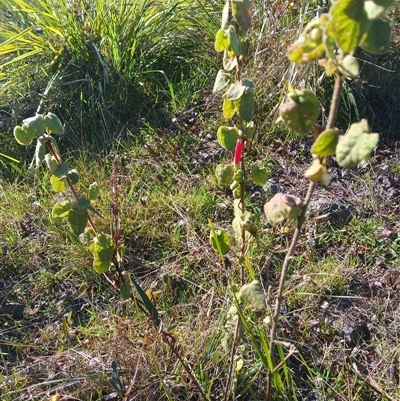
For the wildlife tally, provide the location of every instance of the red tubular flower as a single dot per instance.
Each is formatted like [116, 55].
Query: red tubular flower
[238, 152]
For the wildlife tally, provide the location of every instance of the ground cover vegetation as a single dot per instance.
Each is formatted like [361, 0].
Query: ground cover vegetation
[140, 124]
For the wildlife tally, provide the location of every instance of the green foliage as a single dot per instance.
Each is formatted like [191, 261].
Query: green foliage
[300, 113]
[356, 145]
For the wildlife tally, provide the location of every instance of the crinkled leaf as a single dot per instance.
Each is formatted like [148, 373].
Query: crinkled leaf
[375, 8]
[221, 41]
[325, 144]
[349, 23]
[349, 66]
[222, 80]
[229, 62]
[224, 173]
[53, 124]
[227, 137]
[300, 113]
[77, 222]
[61, 209]
[23, 137]
[238, 229]
[234, 41]
[58, 184]
[229, 108]
[245, 106]
[220, 242]
[73, 176]
[61, 170]
[259, 175]
[253, 294]
[377, 39]
[356, 145]
[282, 207]
[242, 12]
[317, 173]
[34, 125]
[103, 249]
[85, 238]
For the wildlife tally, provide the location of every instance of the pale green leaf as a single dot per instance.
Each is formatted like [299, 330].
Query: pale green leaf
[356, 145]
[222, 80]
[220, 242]
[61, 209]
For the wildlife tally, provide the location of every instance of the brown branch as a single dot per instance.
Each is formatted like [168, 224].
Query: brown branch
[300, 222]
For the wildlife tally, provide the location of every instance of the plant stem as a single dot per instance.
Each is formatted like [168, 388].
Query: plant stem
[68, 181]
[300, 222]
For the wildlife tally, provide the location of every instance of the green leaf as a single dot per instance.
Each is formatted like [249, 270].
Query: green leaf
[103, 250]
[61, 209]
[349, 67]
[375, 8]
[147, 303]
[77, 222]
[222, 80]
[23, 137]
[229, 108]
[235, 91]
[349, 23]
[58, 184]
[301, 112]
[220, 242]
[242, 12]
[325, 145]
[377, 39]
[34, 125]
[234, 42]
[253, 294]
[221, 41]
[356, 145]
[73, 176]
[61, 170]
[94, 190]
[245, 106]
[101, 266]
[53, 124]
[115, 378]
[125, 290]
[259, 175]
[81, 205]
[227, 137]
[224, 173]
